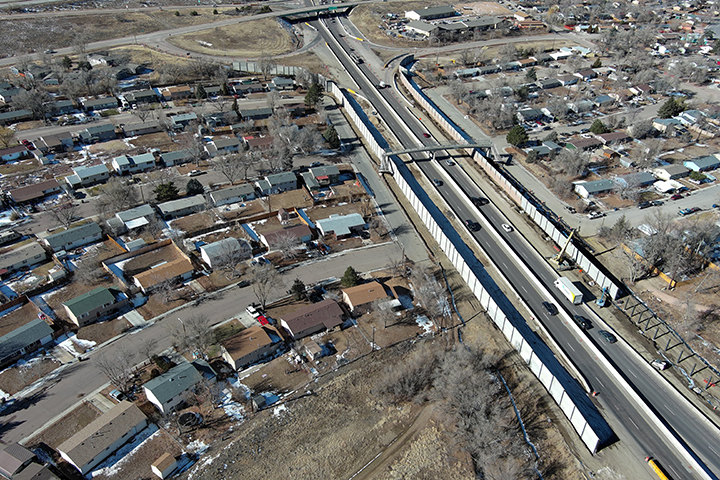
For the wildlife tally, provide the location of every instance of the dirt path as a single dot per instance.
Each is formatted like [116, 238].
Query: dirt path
[384, 458]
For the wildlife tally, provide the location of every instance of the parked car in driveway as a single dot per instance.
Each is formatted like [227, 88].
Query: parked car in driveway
[677, 196]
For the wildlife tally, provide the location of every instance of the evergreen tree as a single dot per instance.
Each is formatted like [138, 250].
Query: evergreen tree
[517, 136]
[597, 63]
[66, 63]
[235, 107]
[350, 278]
[194, 187]
[298, 289]
[671, 108]
[200, 92]
[312, 97]
[331, 136]
[531, 75]
[598, 127]
[166, 192]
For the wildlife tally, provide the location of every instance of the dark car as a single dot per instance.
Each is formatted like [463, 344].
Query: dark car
[582, 322]
[609, 337]
[550, 308]
[657, 203]
[437, 182]
[643, 205]
[472, 226]
[479, 201]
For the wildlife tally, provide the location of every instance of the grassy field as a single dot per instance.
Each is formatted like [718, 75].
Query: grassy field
[246, 39]
[36, 34]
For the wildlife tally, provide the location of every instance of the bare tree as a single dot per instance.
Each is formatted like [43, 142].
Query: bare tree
[80, 42]
[383, 313]
[147, 347]
[194, 333]
[115, 197]
[431, 294]
[267, 64]
[273, 99]
[7, 136]
[230, 256]
[117, 367]
[165, 290]
[142, 113]
[88, 270]
[264, 279]
[644, 154]
[572, 162]
[64, 214]
[192, 143]
[230, 166]
[288, 244]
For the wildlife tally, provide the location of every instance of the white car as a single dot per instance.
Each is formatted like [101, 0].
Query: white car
[593, 215]
[507, 227]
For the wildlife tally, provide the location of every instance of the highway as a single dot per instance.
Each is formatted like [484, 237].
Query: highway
[632, 428]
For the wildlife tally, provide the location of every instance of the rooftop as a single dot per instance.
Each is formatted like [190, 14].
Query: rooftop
[89, 301]
[173, 382]
[59, 240]
[340, 224]
[250, 340]
[31, 192]
[365, 293]
[327, 312]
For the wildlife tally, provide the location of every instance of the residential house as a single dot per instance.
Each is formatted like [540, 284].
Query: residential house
[248, 88]
[256, 113]
[136, 217]
[526, 62]
[125, 165]
[595, 187]
[141, 128]
[218, 253]
[101, 103]
[277, 183]
[61, 107]
[57, 143]
[275, 238]
[15, 152]
[34, 192]
[323, 176]
[603, 101]
[252, 345]
[223, 146]
[164, 466]
[94, 305]
[341, 225]
[182, 120]
[666, 125]
[282, 83]
[613, 138]
[636, 180]
[24, 256]
[234, 194]
[467, 72]
[581, 106]
[178, 270]
[173, 387]
[7, 94]
[98, 133]
[549, 83]
[703, 164]
[35, 471]
[259, 143]
[74, 237]
[360, 298]
[103, 436]
[22, 331]
[14, 116]
[671, 172]
[521, 16]
[690, 117]
[529, 114]
[9, 236]
[586, 75]
[431, 13]
[13, 458]
[141, 96]
[177, 157]
[313, 318]
[182, 207]
[567, 80]
[179, 92]
[583, 143]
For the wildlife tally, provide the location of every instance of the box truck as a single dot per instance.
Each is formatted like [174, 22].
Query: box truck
[569, 290]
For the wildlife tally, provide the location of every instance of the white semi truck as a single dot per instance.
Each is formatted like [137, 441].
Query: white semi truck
[570, 291]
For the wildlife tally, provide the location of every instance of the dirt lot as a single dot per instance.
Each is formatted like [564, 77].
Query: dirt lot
[103, 331]
[36, 34]
[159, 140]
[22, 166]
[67, 426]
[247, 39]
[14, 379]
[309, 61]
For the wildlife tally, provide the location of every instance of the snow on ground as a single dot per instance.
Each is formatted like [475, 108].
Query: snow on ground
[232, 408]
[425, 323]
[279, 410]
[27, 281]
[198, 447]
[214, 232]
[114, 463]
[70, 341]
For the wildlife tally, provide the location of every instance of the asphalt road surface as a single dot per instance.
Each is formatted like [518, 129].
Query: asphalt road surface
[627, 420]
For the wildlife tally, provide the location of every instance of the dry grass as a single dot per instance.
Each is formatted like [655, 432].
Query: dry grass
[192, 223]
[159, 140]
[103, 331]
[23, 166]
[308, 61]
[155, 306]
[246, 39]
[67, 426]
[27, 34]
[14, 379]
[111, 147]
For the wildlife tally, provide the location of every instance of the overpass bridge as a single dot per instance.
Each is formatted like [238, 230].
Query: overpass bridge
[300, 14]
[484, 145]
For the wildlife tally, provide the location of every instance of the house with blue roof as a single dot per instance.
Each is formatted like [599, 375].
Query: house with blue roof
[125, 164]
[87, 176]
[342, 226]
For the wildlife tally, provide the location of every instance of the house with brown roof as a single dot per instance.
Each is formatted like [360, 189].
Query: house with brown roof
[176, 93]
[251, 345]
[613, 138]
[13, 458]
[13, 153]
[164, 466]
[314, 318]
[178, 270]
[360, 298]
[301, 232]
[31, 193]
[103, 436]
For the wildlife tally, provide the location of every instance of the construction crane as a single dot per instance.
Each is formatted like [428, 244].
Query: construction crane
[558, 259]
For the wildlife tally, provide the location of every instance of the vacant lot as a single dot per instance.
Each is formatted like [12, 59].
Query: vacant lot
[24, 35]
[246, 39]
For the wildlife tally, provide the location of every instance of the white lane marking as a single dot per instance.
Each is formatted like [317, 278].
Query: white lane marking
[504, 265]
[669, 409]
[633, 423]
[715, 452]
[601, 383]
[523, 289]
[633, 374]
[571, 347]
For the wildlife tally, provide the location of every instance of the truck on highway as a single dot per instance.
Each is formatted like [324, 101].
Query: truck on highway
[569, 290]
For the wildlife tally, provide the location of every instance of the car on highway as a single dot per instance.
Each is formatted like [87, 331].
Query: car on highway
[426, 135]
[677, 196]
[507, 227]
[438, 183]
[550, 308]
[582, 322]
[479, 201]
[609, 337]
[449, 163]
[472, 225]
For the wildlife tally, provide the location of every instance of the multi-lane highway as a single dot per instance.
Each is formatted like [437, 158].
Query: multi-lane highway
[634, 430]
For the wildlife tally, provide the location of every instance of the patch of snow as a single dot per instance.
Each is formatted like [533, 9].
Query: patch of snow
[425, 323]
[279, 410]
[198, 447]
[71, 341]
[232, 408]
[112, 465]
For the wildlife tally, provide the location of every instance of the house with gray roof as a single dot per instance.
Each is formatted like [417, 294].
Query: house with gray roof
[94, 305]
[181, 120]
[74, 237]
[98, 133]
[87, 176]
[23, 340]
[141, 96]
[595, 187]
[13, 459]
[14, 116]
[671, 172]
[182, 207]
[323, 176]
[177, 157]
[234, 194]
[218, 253]
[103, 436]
[277, 183]
[548, 83]
[341, 225]
[282, 83]
[125, 164]
[136, 217]
[141, 128]
[223, 146]
[637, 179]
[23, 256]
[172, 388]
[703, 164]
[101, 103]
